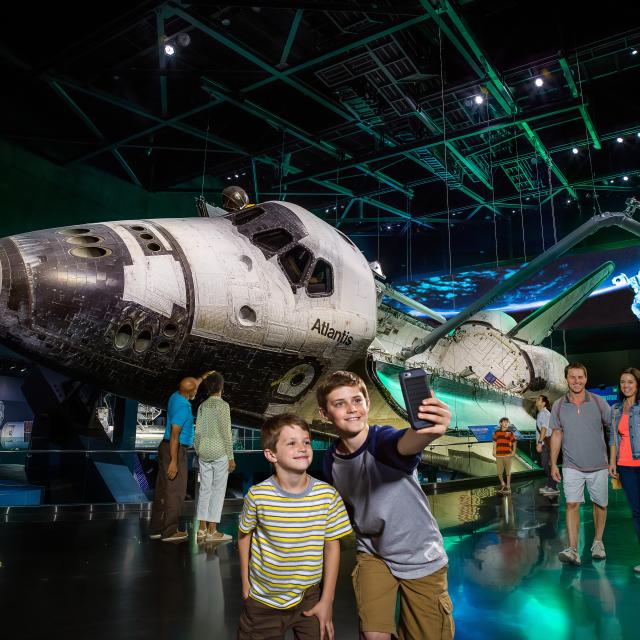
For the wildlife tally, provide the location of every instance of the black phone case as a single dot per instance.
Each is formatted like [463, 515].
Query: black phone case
[415, 388]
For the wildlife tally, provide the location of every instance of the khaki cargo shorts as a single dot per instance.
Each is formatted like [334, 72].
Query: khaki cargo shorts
[425, 606]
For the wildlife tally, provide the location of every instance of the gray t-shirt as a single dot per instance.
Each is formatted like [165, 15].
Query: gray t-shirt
[583, 431]
[388, 509]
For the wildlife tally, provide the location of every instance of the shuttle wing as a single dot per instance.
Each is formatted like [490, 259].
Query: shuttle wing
[538, 325]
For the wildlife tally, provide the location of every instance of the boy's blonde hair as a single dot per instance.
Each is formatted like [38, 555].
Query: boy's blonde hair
[339, 379]
[271, 429]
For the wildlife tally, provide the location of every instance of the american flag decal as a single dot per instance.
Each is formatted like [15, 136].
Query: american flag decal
[496, 382]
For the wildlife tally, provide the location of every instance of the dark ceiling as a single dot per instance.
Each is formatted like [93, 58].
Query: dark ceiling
[364, 112]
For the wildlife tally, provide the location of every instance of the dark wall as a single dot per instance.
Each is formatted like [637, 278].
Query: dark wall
[604, 367]
[37, 194]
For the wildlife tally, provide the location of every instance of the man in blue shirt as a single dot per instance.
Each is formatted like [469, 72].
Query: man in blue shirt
[171, 484]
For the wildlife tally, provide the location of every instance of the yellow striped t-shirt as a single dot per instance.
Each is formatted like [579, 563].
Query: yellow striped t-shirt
[288, 535]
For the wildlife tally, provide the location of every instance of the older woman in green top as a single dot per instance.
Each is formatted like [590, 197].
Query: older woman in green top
[213, 444]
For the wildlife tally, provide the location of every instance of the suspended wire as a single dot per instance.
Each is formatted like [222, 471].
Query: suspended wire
[596, 203]
[524, 239]
[446, 174]
[553, 210]
[493, 192]
[538, 187]
[204, 161]
[284, 133]
[446, 190]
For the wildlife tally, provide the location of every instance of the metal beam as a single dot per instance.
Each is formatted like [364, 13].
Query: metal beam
[588, 123]
[337, 52]
[163, 124]
[173, 122]
[345, 212]
[85, 118]
[320, 99]
[162, 61]
[223, 94]
[291, 37]
[437, 140]
[496, 86]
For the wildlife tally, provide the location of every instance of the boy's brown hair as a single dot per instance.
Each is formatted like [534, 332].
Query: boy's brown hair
[273, 426]
[339, 379]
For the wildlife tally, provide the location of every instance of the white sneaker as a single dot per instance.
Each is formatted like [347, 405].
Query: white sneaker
[569, 556]
[597, 550]
[548, 491]
[218, 536]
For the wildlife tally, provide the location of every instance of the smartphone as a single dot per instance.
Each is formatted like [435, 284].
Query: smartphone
[415, 388]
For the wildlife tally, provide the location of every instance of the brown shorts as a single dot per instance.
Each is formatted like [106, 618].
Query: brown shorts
[425, 606]
[261, 622]
[504, 464]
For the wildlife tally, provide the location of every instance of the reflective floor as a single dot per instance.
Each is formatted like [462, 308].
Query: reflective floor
[102, 578]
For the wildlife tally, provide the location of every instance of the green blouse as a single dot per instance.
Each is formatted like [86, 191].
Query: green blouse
[213, 438]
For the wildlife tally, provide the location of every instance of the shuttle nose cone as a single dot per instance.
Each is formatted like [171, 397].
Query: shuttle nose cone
[54, 287]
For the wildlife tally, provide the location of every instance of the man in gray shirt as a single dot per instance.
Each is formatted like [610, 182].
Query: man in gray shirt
[579, 420]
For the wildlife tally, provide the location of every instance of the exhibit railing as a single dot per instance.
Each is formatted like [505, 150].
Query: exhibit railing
[127, 476]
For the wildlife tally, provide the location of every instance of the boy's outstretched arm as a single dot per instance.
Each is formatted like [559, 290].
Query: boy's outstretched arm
[244, 549]
[324, 609]
[434, 411]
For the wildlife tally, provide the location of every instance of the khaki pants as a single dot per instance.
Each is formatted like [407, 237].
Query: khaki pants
[425, 606]
[261, 622]
[169, 494]
[504, 464]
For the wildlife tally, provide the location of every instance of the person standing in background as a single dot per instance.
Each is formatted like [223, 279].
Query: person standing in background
[504, 449]
[173, 465]
[543, 443]
[624, 443]
[214, 445]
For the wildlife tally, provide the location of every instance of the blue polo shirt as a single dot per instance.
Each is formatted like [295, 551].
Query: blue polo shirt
[179, 412]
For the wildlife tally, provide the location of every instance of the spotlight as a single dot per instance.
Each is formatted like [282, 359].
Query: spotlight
[228, 177]
[625, 178]
[610, 181]
[478, 99]
[574, 151]
[638, 134]
[225, 22]
[169, 50]
[568, 201]
[539, 82]
[619, 140]
[634, 52]
[326, 210]
[236, 175]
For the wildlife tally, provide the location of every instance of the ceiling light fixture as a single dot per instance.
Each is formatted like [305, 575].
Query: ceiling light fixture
[625, 178]
[619, 140]
[539, 82]
[634, 52]
[574, 151]
[478, 99]
[169, 49]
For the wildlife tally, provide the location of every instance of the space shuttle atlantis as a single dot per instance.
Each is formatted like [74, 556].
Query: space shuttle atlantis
[272, 297]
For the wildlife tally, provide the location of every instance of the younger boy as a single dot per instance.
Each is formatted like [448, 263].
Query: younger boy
[397, 538]
[290, 523]
[504, 449]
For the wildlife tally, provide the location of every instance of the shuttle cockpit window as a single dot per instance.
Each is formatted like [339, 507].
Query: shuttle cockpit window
[295, 263]
[272, 240]
[270, 226]
[321, 280]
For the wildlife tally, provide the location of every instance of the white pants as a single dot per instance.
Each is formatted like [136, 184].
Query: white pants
[213, 486]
